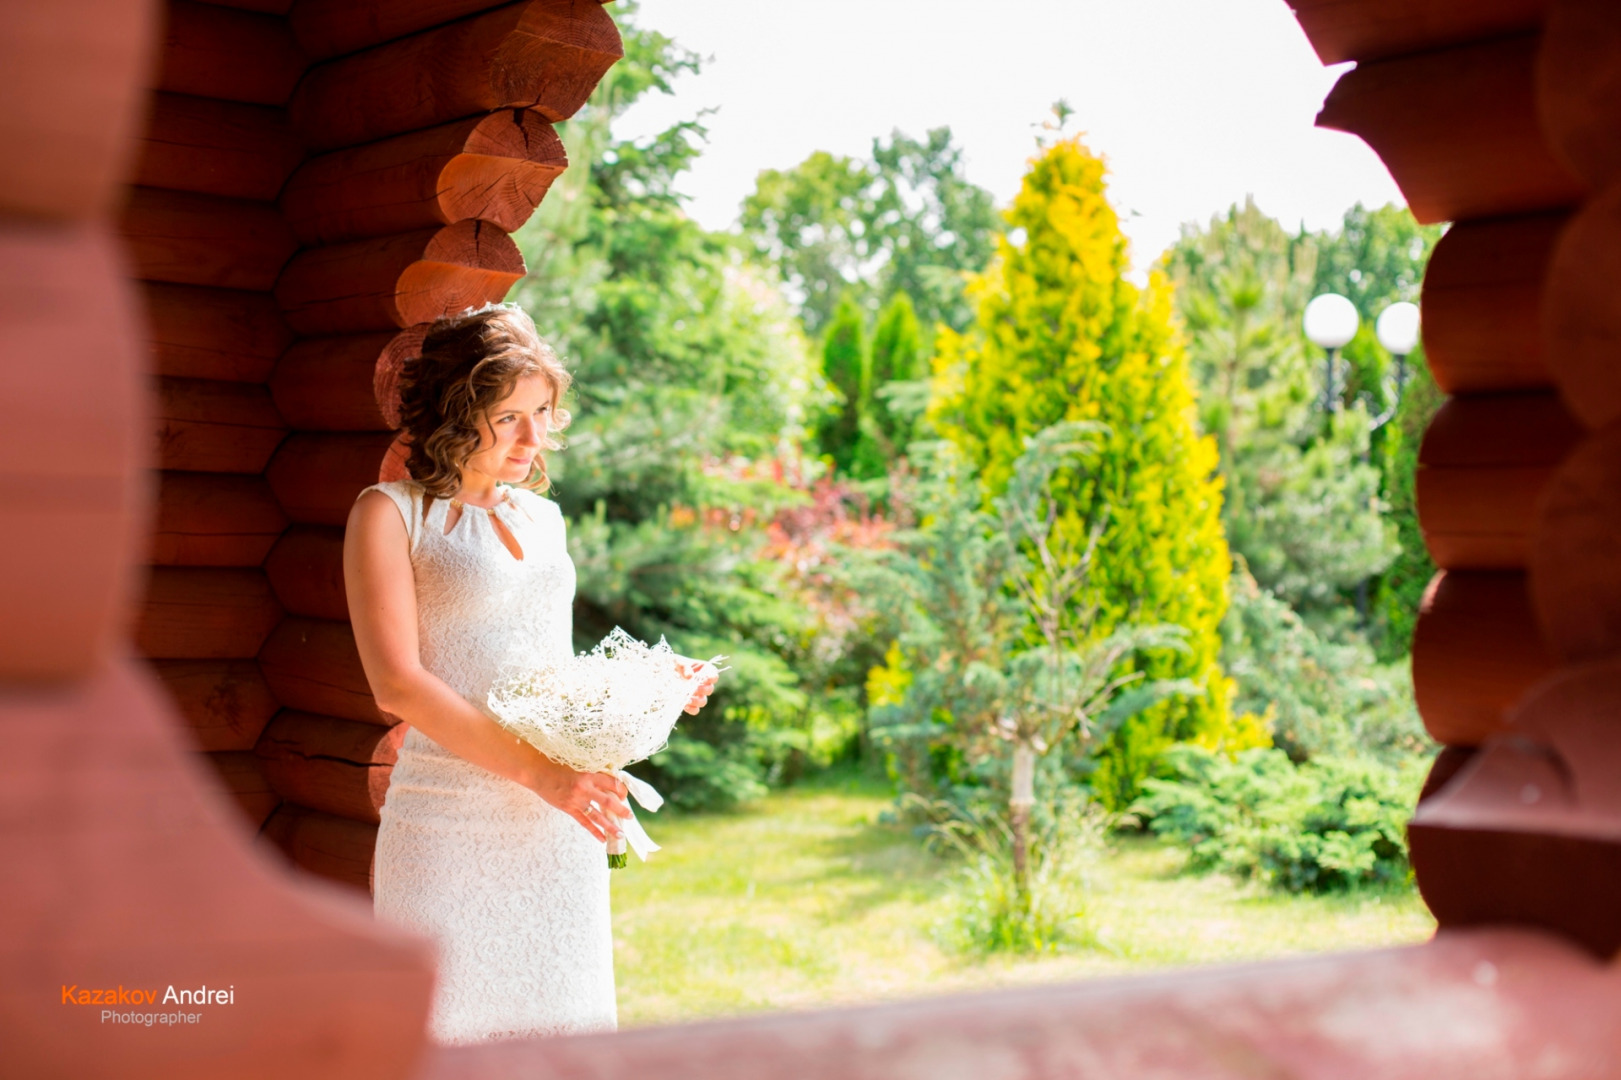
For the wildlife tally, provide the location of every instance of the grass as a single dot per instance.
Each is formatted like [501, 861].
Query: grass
[805, 900]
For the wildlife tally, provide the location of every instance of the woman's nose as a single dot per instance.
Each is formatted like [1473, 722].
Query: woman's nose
[529, 433]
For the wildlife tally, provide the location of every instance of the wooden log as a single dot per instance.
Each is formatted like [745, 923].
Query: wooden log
[546, 55]
[328, 846]
[213, 333]
[225, 703]
[73, 441]
[247, 782]
[218, 52]
[1579, 87]
[213, 519]
[328, 28]
[339, 767]
[396, 281]
[1447, 764]
[1481, 467]
[1575, 553]
[188, 239]
[198, 613]
[1476, 650]
[209, 426]
[1457, 129]
[313, 665]
[1582, 321]
[71, 79]
[347, 383]
[1342, 30]
[267, 7]
[306, 570]
[317, 478]
[216, 147]
[1483, 304]
[493, 168]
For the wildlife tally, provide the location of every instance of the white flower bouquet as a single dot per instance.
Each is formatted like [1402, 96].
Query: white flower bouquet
[601, 711]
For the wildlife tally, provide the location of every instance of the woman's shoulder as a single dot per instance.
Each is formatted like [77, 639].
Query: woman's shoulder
[406, 495]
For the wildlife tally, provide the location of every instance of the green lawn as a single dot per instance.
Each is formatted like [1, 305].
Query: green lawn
[804, 899]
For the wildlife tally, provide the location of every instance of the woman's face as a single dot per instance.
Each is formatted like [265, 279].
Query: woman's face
[513, 432]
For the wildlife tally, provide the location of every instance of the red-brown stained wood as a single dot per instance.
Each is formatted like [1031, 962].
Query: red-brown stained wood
[1343, 30]
[124, 860]
[306, 571]
[546, 55]
[72, 103]
[1576, 552]
[216, 147]
[218, 52]
[267, 7]
[213, 333]
[346, 383]
[74, 436]
[214, 519]
[224, 704]
[188, 239]
[1476, 650]
[1579, 87]
[326, 845]
[1457, 129]
[1481, 467]
[396, 281]
[246, 780]
[336, 766]
[317, 478]
[1483, 304]
[205, 613]
[328, 28]
[313, 665]
[209, 426]
[1582, 312]
[494, 168]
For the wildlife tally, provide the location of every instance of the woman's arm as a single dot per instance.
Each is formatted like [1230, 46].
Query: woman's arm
[382, 606]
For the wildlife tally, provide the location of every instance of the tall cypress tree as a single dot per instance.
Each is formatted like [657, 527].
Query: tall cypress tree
[897, 356]
[1060, 334]
[844, 362]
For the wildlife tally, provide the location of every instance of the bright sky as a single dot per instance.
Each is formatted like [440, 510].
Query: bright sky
[1194, 103]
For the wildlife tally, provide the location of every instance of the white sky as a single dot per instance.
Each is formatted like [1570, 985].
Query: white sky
[1194, 103]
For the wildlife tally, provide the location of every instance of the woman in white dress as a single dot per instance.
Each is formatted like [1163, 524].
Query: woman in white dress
[486, 846]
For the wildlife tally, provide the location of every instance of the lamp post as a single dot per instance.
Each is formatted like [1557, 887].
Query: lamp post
[1398, 330]
[1331, 322]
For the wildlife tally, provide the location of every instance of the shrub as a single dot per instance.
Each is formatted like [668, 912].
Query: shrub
[1331, 823]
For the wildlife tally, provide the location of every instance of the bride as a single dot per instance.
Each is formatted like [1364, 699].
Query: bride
[486, 846]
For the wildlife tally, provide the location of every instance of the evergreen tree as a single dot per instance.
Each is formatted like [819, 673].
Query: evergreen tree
[1060, 334]
[897, 358]
[844, 365]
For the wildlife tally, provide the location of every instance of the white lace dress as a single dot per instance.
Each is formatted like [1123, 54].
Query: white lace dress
[513, 891]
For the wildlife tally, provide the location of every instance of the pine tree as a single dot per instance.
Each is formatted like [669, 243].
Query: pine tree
[1060, 334]
[844, 362]
[897, 357]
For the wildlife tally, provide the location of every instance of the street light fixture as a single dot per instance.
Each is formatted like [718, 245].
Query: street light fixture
[1398, 331]
[1331, 322]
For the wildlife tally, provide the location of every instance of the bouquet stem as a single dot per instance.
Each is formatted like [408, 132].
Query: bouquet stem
[618, 857]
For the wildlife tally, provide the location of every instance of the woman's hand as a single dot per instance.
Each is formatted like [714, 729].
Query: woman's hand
[700, 696]
[595, 800]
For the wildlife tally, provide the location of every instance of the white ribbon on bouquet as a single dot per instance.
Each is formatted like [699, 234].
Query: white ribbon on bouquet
[632, 830]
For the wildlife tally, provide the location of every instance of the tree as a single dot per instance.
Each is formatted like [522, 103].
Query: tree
[898, 371]
[844, 365]
[1060, 334]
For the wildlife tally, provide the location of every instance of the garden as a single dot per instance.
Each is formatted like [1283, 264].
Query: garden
[1066, 610]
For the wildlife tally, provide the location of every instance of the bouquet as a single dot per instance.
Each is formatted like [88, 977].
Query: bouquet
[601, 711]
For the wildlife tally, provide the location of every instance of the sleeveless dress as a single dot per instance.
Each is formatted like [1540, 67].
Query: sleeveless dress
[512, 891]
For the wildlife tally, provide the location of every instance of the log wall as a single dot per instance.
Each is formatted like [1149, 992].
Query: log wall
[313, 184]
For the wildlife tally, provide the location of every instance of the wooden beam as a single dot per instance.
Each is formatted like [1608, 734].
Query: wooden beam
[1483, 304]
[196, 613]
[328, 28]
[317, 478]
[306, 572]
[1481, 467]
[325, 845]
[213, 519]
[1579, 88]
[216, 147]
[397, 281]
[546, 55]
[247, 783]
[313, 665]
[213, 333]
[1476, 651]
[1362, 30]
[1457, 129]
[1575, 556]
[208, 426]
[189, 239]
[347, 383]
[337, 766]
[225, 703]
[218, 52]
[1582, 323]
[494, 168]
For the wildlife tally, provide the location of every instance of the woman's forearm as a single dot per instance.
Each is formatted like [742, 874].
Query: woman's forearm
[430, 705]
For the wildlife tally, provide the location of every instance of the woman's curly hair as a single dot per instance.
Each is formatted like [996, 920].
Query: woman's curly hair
[468, 363]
